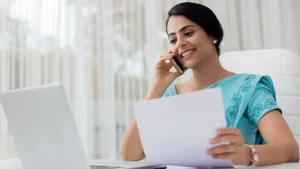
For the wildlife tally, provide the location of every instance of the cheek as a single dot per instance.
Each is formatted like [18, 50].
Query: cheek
[200, 42]
[203, 44]
[204, 47]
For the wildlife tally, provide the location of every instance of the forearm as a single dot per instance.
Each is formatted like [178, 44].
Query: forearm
[131, 147]
[277, 153]
[155, 91]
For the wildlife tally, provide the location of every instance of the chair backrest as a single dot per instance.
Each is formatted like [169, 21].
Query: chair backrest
[283, 66]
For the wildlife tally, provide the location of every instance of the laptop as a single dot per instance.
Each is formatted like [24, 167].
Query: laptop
[44, 131]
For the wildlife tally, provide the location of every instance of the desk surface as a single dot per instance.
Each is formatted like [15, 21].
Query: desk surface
[16, 164]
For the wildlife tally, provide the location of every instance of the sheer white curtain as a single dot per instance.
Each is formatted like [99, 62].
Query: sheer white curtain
[104, 51]
[36, 41]
[95, 48]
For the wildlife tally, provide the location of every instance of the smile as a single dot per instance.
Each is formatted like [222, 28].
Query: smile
[187, 53]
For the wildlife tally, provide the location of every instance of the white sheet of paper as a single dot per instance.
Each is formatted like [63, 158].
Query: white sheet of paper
[177, 130]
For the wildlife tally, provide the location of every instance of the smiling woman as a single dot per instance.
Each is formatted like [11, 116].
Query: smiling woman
[252, 114]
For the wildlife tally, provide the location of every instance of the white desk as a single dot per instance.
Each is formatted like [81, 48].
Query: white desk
[16, 164]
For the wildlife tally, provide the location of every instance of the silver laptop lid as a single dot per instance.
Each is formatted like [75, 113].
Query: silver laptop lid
[43, 128]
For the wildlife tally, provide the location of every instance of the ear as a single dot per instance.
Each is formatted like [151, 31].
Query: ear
[213, 40]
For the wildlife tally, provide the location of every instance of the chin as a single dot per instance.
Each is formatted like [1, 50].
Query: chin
[191, 65]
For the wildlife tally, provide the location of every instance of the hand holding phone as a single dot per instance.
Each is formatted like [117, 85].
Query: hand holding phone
[163, 77]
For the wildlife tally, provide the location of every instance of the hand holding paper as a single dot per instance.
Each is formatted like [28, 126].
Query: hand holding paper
[177, 130]
[235, 150]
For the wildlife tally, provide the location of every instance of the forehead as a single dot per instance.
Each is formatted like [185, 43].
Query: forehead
[176, 22]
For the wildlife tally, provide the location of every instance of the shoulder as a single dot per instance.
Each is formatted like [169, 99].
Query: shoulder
[239, 83]
[260, 91]
[253, 80]
[248, 86]
[263, 99]
[265, 87]
[260, 83]
[175, 89]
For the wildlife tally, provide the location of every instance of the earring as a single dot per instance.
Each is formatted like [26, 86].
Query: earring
[215, 41]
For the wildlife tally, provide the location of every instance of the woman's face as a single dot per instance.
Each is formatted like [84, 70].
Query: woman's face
[189, 41]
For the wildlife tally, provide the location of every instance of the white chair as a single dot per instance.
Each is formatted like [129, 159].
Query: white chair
[283, 66]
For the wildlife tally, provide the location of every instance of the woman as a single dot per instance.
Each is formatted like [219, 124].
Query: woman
[256, 131]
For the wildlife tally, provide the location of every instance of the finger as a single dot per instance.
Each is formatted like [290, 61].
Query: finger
[230, 156]
[225, 131]
[165, 57]
[169, 65]
[166, 53]
[231, 139]
[224, 156]
[221, 149]
[164, 65]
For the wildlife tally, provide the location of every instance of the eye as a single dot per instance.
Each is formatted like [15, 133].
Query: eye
[188, 33]
[173, 41]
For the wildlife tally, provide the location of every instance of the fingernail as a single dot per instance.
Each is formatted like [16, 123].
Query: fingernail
[212, 141]
[219, 132]
[208, 152]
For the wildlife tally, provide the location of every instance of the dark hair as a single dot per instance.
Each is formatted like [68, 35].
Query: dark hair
[201, 15]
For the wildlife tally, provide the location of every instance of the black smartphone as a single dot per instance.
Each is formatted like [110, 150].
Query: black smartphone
[178, 66]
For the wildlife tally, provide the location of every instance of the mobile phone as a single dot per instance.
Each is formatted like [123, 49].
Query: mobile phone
[178, 66]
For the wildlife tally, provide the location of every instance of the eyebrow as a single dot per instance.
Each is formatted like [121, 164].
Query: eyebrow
[173, 33]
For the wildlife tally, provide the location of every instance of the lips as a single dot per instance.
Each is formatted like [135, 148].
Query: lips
[187, 53]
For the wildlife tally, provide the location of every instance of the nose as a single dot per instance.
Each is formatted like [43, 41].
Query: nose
[181, 43]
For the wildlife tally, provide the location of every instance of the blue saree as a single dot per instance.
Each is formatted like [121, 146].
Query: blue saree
[247, 98]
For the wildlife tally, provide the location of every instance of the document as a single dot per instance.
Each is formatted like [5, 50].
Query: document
[176, 130]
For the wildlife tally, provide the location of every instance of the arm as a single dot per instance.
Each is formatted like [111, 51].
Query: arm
[281, 146]
[131, 147]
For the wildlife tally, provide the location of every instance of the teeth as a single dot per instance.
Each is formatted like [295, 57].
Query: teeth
[187, 53]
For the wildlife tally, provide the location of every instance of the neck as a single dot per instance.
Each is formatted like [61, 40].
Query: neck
[208, 73]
